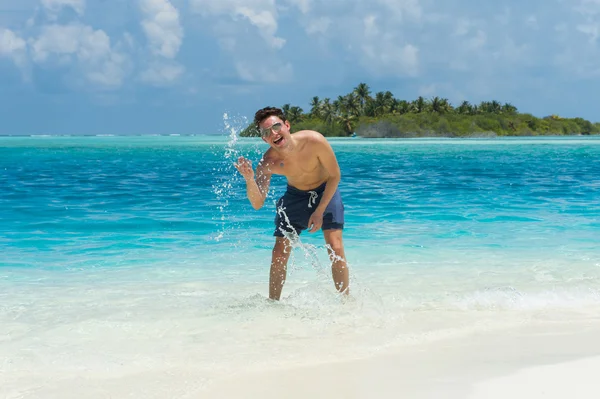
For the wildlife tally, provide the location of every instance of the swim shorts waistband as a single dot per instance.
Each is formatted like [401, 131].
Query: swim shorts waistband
[294, 190]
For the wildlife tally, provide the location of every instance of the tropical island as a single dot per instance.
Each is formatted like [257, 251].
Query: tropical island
[360, 114]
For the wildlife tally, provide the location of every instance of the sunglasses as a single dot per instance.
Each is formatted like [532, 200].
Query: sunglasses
[276, 127]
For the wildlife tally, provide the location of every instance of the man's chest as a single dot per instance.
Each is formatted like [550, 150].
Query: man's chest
[297, 166]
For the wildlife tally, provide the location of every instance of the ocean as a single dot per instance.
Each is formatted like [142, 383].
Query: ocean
[140, 258]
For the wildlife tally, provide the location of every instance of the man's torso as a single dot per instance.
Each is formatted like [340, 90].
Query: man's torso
[302, 167]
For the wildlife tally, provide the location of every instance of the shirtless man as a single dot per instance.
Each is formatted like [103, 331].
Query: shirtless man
[312, 200]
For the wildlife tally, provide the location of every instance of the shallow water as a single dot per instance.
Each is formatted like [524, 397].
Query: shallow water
[138, 254]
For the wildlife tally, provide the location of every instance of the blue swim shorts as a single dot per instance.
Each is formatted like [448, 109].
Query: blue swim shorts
[295, 207]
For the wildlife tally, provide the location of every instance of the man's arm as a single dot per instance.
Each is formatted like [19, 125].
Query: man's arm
[329, 161]
[257, 184]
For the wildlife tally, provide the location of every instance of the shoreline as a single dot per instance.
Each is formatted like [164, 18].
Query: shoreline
[521, 362]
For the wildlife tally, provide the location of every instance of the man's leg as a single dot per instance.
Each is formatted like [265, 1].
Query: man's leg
[281, 254]
[339, 268]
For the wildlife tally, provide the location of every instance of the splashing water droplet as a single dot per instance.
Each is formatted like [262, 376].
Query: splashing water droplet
[232, 127]
[226, 175]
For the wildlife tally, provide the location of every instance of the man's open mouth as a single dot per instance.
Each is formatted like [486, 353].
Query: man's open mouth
[278, 140]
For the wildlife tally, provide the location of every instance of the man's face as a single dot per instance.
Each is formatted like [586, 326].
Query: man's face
[275, 132]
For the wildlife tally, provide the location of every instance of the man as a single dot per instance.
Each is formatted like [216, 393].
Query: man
[312, 200]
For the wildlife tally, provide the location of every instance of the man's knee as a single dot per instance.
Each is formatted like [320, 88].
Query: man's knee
[335, 245]
[281, 244]
[281, 249]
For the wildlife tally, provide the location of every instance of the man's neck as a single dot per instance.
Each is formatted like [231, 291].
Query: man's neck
[290, 149]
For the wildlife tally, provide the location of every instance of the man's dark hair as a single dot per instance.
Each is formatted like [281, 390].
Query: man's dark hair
[266, 112]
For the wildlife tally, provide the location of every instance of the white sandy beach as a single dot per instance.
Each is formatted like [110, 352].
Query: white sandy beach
[549, 360]
[546, 361]
[575, 379]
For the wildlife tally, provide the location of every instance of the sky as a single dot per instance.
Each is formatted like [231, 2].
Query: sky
[177, 66]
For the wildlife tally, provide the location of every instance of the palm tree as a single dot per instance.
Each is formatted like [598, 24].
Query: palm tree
[346, 122]
[351, 104]
[363, 93]
[389, 101]
[338, 106]
[327, 111]
[294, 114]
[402, 106]
[370, 108]
[465, 108]
[509, 109]
[486, 107]
[315, 105]
[446, 106]
[437, 105]
[419, 105]
[382, 104]
[496, 107]
[286, 110]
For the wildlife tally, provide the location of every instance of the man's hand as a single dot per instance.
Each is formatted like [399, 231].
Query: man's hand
[316, 221]
[244, 166]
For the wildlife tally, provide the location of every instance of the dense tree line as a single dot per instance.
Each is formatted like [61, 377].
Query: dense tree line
[383, 115]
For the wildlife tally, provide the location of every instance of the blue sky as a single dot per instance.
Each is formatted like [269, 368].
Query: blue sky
[176, 66]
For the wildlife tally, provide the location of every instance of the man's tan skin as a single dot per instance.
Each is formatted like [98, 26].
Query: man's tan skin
[307, 160]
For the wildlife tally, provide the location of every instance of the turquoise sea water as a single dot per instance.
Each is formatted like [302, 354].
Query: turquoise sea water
[144, 252]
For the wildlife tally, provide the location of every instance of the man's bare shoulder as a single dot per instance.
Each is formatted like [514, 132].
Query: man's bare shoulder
[311, 136]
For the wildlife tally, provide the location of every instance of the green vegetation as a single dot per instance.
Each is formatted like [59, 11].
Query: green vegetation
[385, 116]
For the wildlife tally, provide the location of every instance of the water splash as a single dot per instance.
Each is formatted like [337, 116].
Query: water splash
[309, 251]
[226, 173]
[359, 293]
[232, 127]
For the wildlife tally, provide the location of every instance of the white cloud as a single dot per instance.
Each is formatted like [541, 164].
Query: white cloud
[260, 73]
[15, 48]
[266, 22]
[89, 49]
[262, 14]
[388, 58]
[592, 30]
[511, 52]
[11, 43]
[588, 7]
[478, 41]
[470, 34]
[463, 26]
[230, 20]
[403, 10]
[590, 26]
[54, 6]
[64, 40]
[162, 27]
[574, 56]
[303, 5]
[590, 10]
[371, 25]
[532, 22]
[561, 27]
[384, 53]
[162, 73]
[111, 72]
[164, 32]
[318, 25]
[374, 34]
[483, 45]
